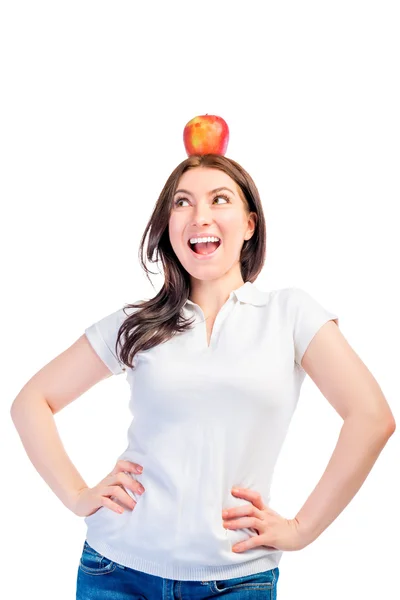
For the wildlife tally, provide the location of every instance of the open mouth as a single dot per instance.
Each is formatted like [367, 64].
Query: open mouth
[204, 249]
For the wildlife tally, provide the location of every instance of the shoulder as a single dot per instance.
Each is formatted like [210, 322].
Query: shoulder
[111, 321]
[292, 297]
[287, 297]
[296, 304]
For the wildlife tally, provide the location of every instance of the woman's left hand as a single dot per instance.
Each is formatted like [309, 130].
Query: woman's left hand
[273, 530]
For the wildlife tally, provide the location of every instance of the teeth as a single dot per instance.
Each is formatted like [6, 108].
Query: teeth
[203, 240]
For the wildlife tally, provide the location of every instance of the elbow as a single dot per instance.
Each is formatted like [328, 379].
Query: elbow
[23, 403]
[382, 423]
[14, 410]
[390, 427]
[386, 425]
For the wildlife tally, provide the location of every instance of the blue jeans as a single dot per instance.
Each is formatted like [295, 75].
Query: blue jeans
[118, 582]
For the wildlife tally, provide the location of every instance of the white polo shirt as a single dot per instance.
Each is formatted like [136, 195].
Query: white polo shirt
[206, 419]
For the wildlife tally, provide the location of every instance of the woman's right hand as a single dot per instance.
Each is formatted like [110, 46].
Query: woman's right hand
[89, 500]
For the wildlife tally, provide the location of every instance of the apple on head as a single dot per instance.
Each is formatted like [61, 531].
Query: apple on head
[206, 134]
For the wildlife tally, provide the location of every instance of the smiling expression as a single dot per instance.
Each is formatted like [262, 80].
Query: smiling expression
[207, 200]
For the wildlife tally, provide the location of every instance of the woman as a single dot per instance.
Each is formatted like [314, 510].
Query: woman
[215, 366]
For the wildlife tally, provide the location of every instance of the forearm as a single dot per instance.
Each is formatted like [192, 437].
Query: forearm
[360, 442]
[36, 427]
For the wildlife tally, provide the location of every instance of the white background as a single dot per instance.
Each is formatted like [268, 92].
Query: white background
[95, 96]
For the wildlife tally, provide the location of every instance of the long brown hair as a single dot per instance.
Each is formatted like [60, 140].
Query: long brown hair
[159, 318]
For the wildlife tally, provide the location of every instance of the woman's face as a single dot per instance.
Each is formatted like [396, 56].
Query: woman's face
[199, 210]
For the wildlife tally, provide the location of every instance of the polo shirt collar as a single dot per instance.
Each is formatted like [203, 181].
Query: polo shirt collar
[247, 293]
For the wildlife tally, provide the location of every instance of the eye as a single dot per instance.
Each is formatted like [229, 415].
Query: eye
[179, 200]
[218, 196]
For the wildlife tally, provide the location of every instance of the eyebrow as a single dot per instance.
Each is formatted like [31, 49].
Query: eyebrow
[211, 192]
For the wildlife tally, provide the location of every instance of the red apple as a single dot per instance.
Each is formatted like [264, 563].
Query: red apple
[206, 134]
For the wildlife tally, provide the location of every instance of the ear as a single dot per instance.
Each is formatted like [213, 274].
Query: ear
[252, 224]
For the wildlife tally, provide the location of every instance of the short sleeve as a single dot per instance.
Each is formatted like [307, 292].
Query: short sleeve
[308, 317]
[102, 336]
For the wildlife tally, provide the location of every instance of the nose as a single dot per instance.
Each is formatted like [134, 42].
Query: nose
[202, 214]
